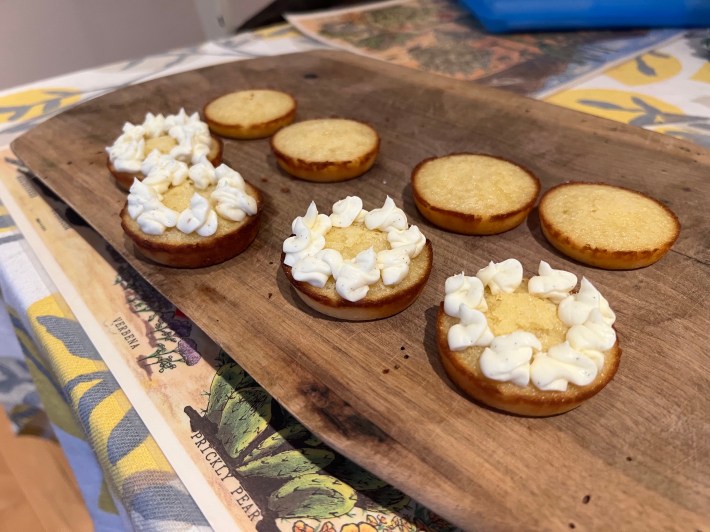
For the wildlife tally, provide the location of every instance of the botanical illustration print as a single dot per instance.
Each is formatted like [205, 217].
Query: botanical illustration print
[280, 475]
[296, 483]
[167, 329]
[442, 37]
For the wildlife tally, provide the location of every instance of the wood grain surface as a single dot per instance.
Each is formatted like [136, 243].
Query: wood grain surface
[633, 457]
[38, 490]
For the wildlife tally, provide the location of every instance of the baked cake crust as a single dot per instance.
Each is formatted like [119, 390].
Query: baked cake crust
[310, 166]
[462, 220]
[250, 123]
[611, 254]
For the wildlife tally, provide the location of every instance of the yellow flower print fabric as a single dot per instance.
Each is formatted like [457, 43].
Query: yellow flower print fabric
[136, 467]
[32, 103]
[664, 90]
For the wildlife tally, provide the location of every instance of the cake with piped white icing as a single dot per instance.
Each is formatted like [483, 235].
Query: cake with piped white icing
[191, 216]
[183, 137]
[355, 264]
[536, 347]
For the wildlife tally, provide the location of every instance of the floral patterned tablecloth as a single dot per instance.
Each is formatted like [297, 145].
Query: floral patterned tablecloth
[106, 358]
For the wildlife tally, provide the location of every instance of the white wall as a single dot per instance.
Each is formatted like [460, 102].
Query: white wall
[44, 38]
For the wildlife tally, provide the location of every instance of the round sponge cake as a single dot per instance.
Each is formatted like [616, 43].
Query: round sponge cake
[474, 194]
[355, 264]
[607, 226]
[326, 149]
[381, 301]
[180, 250]
[516, 312]
[250, 114]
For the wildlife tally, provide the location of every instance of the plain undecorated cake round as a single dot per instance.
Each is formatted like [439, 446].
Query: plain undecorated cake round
[474, 194]
[326, 149]
[506, 314]
[607, 226]
[180, 250]
[250, 114]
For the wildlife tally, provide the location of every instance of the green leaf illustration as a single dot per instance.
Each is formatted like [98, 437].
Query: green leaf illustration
[229, 378]
[246, 414]
[294, 431]
[313, 496]
[355, 476]
[288, 464]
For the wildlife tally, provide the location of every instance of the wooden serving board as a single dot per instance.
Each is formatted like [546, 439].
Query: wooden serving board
[634, 456]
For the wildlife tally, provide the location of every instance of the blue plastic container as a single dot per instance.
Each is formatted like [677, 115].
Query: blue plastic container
[500, 16]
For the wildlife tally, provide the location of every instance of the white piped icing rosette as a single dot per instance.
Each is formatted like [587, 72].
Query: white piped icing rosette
[519, 357]
[311, 262]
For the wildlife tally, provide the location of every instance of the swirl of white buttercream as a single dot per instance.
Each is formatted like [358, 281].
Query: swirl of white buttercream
[308, 235]
[462, 290]
[575, 308]
[199, 217]
[333, 259]
[235, 179]
[356, 275]
[411, 239]
[593, 337]
[346, 211]
[561, 365]
[312, 270]
[393, 265]
[193, 139]
[154, 125]
[472, 330]
[508, 357]
[162, 171]
[202, 174]
[145, 206]
[316, 269]
[318, 223]
[178, 119]
[232, 200]
[387, 217]
[128, 151]
[503, 276]
[551, 284]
